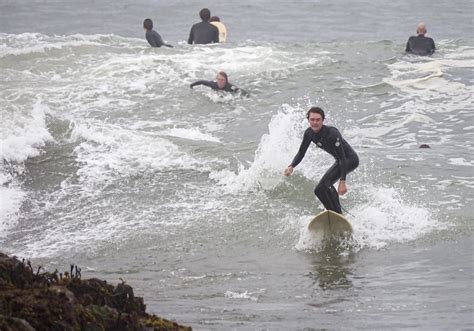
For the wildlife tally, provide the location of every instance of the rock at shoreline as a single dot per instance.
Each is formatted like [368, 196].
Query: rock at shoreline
[34, 300]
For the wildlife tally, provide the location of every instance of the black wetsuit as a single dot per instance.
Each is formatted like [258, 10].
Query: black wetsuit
[420, 45]
[330, 140]
[203, 33]
[228, 87]
[154, 39]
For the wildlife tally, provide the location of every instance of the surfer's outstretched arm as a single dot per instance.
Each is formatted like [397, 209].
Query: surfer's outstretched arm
[301, 153]
[207, 83]
[303, 148]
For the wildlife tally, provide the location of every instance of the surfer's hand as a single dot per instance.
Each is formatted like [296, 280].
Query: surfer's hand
[288, 171]
[342, 189]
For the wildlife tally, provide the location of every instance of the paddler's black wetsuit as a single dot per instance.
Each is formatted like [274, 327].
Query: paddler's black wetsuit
[330, 140]
[228, 87]
[420, 45]
[203, 33]
[154, 39]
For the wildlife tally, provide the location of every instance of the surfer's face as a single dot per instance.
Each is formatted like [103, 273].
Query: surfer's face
[221, 81]
[315, 121]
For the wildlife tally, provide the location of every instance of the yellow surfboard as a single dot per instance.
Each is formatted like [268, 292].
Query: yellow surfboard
[222, 31]
[330, 223]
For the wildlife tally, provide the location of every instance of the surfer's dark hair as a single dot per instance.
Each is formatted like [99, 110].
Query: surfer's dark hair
[315, 110]
[148, 24]
[205, 14]
[223, 74]
[214, 19]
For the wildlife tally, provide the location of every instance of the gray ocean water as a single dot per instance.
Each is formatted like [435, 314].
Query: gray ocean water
[110, 161]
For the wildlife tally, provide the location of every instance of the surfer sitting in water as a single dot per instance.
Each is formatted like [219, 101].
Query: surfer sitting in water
[153, 37]
[203, 32]
[420, 45]
[221, 84]
[330, 140]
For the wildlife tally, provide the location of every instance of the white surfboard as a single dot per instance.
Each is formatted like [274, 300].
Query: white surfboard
[222, 31]
[329, 223]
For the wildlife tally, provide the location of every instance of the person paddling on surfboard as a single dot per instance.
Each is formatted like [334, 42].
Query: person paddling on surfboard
[330, 140]
[221, 84]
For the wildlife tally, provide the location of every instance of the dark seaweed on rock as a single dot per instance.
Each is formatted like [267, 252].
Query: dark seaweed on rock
[35, 300]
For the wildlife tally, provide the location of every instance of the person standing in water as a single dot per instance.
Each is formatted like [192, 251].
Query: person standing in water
[220, 84]
[330, 140]
[420, 45]
[203, 32]
[153, 37]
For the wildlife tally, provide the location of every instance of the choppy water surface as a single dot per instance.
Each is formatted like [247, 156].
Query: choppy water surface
[112, 162]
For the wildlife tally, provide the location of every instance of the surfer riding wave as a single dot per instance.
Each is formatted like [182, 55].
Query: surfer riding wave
[330, 140]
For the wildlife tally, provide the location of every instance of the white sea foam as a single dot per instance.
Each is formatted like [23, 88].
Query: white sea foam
[377, 131]
[98, 94]
[461, 161]
[92, 230]
[266, 170]
[246, 59]
[275, 151]
[307, 240]
[425, 80]
[30, 43]
[121, 102]
[110, 150]
[429, 73]
[11, 198]
[219, 97]
[102, 232]
[24, 132]
[427, 96]
[385, 218]
[191, 134]
[240, 295]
